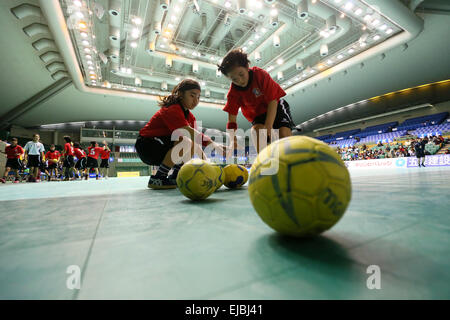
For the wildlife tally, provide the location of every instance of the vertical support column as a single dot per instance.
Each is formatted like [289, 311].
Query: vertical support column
[55, 137]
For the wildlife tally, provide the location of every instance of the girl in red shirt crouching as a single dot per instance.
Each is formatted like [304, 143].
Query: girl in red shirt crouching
[155, 145]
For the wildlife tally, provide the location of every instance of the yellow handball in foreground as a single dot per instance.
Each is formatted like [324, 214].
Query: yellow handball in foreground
[299, 186]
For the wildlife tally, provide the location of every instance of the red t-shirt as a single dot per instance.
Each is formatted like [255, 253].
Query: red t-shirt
[13, 152]
[168, 119]
[52, 155]
[94, 152]
[254, 99]
[105, 154]
[79, 153]
[68, 149]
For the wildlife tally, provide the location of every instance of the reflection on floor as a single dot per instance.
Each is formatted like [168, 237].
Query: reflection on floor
[130, 242]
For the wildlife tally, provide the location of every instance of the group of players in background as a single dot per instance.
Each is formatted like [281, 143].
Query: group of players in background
[72, 163]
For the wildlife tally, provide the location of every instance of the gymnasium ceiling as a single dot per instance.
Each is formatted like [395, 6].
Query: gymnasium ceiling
[133, 48]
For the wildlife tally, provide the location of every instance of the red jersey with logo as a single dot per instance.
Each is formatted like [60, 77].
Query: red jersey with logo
[52, 155]
[94, 152]
[13, 152]
[167, 119]
[69, 149]
[79, 153]
[253, 99]
[105, 154]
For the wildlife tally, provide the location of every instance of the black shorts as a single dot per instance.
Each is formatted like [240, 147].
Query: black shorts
[81, 164]
[52, 165]
[420, 154]
[153, 150]
[14, 164]
[43, 166]
[34, 161]
[282, 119]
[92, 163]
[69, 162]
[104, 163]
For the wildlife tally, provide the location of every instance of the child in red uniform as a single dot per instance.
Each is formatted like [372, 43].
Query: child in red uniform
[154, 144]
[80, 166]
[104, 165]
[257, 95]
[52, 157]
[92, 160]
[69, 163]
[13, 153]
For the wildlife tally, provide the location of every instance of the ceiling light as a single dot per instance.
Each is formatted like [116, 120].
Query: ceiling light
[250, 13]
[257, 37]
[85, 42]
[337, 1]
[82, 25]
[129, 71]
[89, 57]
[173, 18]
[375, 22]
[263, 30]
[227, 4]
[363, 44]
[250, 42]
[383, 27]
[177, 79]
[329, 62]
[91, 68]
[177, 9]
[358, 11]
[367, 17]
[170, 26]
[162, 46]
[84, 34]
[389, 31]
[137, 21]
[203, 83]
[376, 37]
[340, 56]
[87, 50]
[77, 3]
[348, 6]
[351, 51]
[133, 45]
[273, 12]
[244, 49]
[342, 15]
[184, 51]
[89, 62]
[324, 34]
[280, 61]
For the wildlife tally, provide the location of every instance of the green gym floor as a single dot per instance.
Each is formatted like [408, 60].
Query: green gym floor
[131, 242]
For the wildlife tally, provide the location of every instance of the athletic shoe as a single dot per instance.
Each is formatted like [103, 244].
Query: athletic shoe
[3, 180]
[161, 183]
[423, 165]
[16, 181]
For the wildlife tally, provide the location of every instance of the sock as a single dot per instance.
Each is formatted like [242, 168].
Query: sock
[163, 170]
[176, 168]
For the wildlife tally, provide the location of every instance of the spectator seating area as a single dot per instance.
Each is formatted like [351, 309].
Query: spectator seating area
[414, 123]
[388, 132]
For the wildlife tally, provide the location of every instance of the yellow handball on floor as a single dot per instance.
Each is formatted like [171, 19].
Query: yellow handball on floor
[299, 186]
[235, 176]
[196, 179]
[220, 175]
